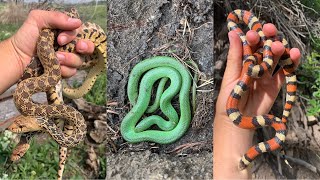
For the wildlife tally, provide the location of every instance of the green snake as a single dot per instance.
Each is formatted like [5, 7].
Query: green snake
[153, 69]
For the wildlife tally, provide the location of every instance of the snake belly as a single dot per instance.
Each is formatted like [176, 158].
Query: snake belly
[153, 69]
[254, 67]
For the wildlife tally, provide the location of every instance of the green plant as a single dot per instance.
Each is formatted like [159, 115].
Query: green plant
[309, 78]
[315, 5]
[95, 14]
[7, 30]
[97, 94]
[40, 161]
[6, 138]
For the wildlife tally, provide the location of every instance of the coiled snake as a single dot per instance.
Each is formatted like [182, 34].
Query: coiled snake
[157, 68]
[35, 116]
[254, 68]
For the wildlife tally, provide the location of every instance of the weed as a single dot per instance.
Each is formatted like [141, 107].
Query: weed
[309, 79]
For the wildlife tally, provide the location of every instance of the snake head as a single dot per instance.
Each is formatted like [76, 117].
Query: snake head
[22, 124]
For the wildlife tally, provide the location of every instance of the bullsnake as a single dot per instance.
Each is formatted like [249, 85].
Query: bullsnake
[36, 117]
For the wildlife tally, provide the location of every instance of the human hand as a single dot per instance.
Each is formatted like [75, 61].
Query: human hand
[24, 41]
[263, 91]
[230, 141]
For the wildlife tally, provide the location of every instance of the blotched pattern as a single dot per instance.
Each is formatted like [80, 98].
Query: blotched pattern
[42, 75]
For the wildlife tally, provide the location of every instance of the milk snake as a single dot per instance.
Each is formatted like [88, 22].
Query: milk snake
[255, 65]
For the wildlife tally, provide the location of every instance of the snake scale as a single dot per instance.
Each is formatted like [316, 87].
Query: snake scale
[36, 117]
[254, 67]
[159, 68]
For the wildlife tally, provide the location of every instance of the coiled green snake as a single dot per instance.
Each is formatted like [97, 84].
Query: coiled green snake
[153, 69]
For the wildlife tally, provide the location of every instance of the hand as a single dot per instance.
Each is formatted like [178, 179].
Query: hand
[24, 41]
[230, 141]
[263, 91]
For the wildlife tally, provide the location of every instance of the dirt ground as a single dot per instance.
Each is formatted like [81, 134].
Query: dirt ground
[141, 29]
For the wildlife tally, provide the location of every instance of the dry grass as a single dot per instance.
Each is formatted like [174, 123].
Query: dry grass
[289, 17]
[13, 14]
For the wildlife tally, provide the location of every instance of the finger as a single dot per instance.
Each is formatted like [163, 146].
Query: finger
[53, 19]
[67, 72]
[295, 56]
[279, 78]
[234, 59]
[70, 60]
[253, 38]
[85, 47]
[277, 50]
[66, 37]
[269, 30]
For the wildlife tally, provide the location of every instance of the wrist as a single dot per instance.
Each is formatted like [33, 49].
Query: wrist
[11, 65]
[229, 144]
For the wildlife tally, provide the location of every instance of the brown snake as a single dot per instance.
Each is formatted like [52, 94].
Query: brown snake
[38, 117]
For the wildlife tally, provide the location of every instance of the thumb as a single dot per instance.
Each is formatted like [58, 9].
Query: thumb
[234, 59]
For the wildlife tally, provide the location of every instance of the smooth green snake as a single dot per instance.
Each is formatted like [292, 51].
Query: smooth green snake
[153, 69]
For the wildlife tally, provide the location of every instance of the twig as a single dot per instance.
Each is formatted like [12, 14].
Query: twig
[185, 146]
[301, 163]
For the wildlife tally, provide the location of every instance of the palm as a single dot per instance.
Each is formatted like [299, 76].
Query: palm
[261, 95]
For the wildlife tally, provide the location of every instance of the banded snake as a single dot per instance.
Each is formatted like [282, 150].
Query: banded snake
[255, 67]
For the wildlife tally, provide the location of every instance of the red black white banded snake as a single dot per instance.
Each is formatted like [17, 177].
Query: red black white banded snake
[255, 65]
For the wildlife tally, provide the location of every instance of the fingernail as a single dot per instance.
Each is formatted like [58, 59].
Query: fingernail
[61, 57]
[74, 20]
[83, 46]
[63, 40]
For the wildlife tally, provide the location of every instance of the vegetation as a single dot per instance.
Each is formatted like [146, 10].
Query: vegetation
[41, 160]
[96, 14]
[309, 70]
[309, 79]
[7, 30]
[98, 91]
[315, 5]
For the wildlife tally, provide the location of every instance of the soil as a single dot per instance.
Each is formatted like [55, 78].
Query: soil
[141, 29]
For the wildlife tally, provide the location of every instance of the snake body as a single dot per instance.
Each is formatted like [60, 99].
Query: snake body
[153, 69]
[45, 113]
[254, 67]
[37, 122]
